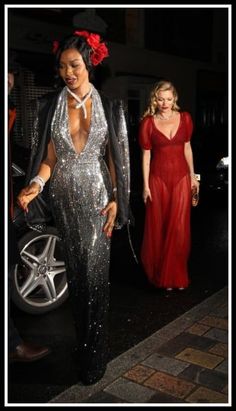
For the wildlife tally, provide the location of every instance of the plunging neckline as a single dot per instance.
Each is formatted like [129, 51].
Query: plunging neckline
[169, 139]
[89, 129]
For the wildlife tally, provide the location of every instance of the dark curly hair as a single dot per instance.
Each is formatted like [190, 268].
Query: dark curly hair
[76, 42]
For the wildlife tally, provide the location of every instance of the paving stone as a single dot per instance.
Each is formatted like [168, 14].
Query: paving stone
[218, 335]
[225, 390]
[205, 395]
[177, 344]
[201, 358]
[220, 349]
[221, 311]
[173, 329]
[198, 329]
[169, 384]
[215, 322]
[130, 391]
[103, 397]
[162, 398]
[191, 372]
[139, 373]
[202, 376]
[223, 367]
[169, 365]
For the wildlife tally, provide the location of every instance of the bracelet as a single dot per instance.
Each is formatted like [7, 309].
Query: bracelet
[196, 176]
[40, 181]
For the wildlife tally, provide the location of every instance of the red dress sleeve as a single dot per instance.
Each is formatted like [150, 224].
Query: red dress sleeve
[189, 125]
[144, 135]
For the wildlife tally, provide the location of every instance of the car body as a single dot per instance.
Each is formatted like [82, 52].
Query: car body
[214, 178]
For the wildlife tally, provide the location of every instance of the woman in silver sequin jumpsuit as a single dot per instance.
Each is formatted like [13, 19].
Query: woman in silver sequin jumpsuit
[85, 191]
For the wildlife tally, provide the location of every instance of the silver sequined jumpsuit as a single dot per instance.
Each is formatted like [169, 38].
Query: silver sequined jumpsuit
[80, 188]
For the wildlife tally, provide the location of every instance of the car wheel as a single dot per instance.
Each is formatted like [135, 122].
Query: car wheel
[39, 280]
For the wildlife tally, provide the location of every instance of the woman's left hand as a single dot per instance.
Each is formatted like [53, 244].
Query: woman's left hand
[110, 210]
[195, 184]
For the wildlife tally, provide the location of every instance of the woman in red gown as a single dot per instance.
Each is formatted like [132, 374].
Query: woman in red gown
[168, 179]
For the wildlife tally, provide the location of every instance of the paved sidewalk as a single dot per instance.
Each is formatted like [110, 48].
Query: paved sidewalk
[184, 362]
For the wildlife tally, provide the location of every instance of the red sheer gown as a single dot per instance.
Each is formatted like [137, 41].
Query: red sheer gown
[166, 240]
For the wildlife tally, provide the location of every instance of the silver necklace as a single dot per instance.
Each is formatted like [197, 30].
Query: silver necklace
[165, 118]
[81, 103]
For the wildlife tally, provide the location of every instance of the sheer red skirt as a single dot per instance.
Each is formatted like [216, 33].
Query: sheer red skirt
[166, 239]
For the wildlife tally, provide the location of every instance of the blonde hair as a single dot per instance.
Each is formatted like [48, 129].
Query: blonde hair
[162, 85]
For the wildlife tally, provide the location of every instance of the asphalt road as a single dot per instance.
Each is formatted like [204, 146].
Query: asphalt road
[137, 309]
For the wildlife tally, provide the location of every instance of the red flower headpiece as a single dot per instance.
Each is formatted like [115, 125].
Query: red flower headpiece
[55, 46]
[99, 50]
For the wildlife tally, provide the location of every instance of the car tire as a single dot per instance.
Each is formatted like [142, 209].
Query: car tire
[39, 280]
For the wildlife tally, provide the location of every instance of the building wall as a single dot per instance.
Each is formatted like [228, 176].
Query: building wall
[131, 69]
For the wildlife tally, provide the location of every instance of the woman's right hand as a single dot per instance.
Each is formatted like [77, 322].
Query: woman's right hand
[26, 195]
[146, 195]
